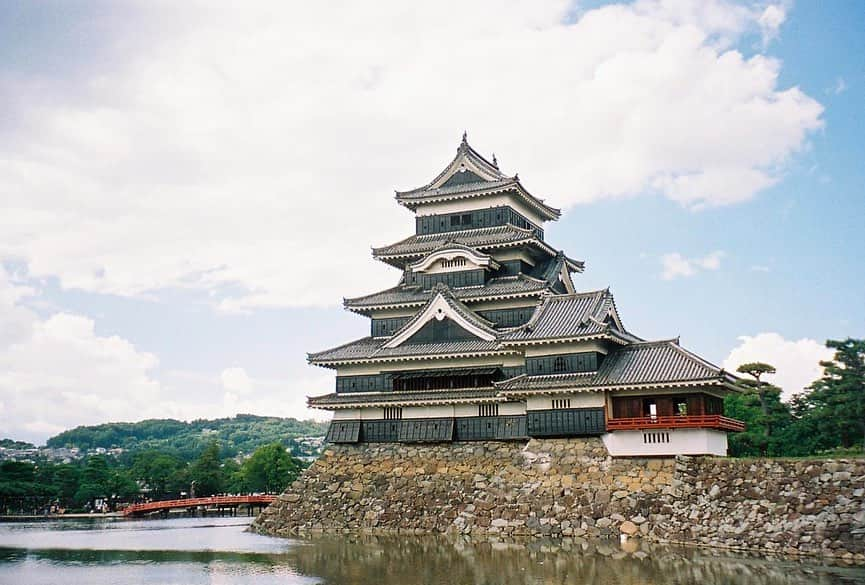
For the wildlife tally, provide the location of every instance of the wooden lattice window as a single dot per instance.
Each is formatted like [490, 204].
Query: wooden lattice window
[561, 403]
[393, 413]
[488, 409]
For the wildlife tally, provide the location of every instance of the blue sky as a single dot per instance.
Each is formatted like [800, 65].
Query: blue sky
[187, 193]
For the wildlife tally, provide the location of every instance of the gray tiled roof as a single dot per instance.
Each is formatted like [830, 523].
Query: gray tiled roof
[573, 315]
[369, 348]
[655, 362]
[336, 400]
[464, 151]
[419, 245]
[473, 187]
[502, 286]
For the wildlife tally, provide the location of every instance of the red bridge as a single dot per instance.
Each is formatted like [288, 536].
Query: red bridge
[218, 502]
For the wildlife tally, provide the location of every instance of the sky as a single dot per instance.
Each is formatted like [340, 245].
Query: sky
[188, 190]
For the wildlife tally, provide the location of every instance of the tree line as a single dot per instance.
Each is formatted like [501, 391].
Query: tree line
[100, 483]
[827, 418]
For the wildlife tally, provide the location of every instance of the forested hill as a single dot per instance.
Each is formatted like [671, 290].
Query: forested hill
[242, 433]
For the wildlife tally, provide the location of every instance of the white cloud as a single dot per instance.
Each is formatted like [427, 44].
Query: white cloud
[797, 362]
[251, 150]
[674, 265]
[771, 20]
[57, 372]
[839, 87]
[236, 380]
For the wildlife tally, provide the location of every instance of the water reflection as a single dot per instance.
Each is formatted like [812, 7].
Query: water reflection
[376, 560]
[198, 551]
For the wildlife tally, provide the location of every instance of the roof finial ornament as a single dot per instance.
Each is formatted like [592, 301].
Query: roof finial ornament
[465, 137]
[516, 176]
[495, 162]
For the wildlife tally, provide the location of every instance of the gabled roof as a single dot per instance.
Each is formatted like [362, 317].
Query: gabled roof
[489, 238]
[448, 250]
[645, 363]
[496, 288]
[444, 305]
[572, 316]
[469, 174]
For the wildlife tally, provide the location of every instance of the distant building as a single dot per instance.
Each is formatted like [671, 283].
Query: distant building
[487, 337]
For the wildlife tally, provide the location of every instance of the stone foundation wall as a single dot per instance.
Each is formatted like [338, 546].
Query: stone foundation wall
[571, 487]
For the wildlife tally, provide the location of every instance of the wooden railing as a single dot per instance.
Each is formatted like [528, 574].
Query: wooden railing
[195, 502]
[685, 421]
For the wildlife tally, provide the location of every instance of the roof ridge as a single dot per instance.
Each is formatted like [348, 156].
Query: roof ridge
[697, 358]
[671, 340]
[561, 296]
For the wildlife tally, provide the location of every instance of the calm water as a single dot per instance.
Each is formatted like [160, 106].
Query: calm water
[219, 552]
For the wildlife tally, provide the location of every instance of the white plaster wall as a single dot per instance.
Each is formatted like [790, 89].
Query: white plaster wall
[347, 414]
[464, 410]
[438, 266]
[483, 202]
[682, 442]
[446, 411]
[580, 400]
[511, 408]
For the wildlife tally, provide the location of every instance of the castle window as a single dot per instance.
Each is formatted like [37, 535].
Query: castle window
[455, 263]
[488, 409]
[393, 413]
[455, 220]
[561, 403]
[560, 364]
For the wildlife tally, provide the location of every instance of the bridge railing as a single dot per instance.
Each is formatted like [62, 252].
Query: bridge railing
[195, 502]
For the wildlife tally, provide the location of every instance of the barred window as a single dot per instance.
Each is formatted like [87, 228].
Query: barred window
[560, 364]
[561, 403]
[488, 409]
[393, 413]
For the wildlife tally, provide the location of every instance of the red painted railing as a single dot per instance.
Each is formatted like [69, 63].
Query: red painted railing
[195, 502]
[685, 421]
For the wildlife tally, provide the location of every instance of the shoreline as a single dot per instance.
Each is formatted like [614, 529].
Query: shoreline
[76, 516]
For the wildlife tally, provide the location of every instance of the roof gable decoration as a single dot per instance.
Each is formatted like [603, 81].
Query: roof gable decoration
[467, 160]
[452, 257]
[442, 306]
[611, 316]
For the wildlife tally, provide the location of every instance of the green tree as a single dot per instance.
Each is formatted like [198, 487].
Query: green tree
[761, 409]
[270, 469]
[206, 472]
[835, 404]
[235, 481]
[762, 390]
[95, 482]
[164, 474]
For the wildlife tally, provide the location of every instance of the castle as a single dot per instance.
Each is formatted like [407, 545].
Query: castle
[486, 337]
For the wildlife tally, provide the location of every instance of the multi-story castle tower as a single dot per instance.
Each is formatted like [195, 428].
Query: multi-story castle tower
[485, 337]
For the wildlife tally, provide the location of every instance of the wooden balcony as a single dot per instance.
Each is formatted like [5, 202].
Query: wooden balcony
[689, 421]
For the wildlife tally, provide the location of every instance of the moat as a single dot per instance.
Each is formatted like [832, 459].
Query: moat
[219, 550]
